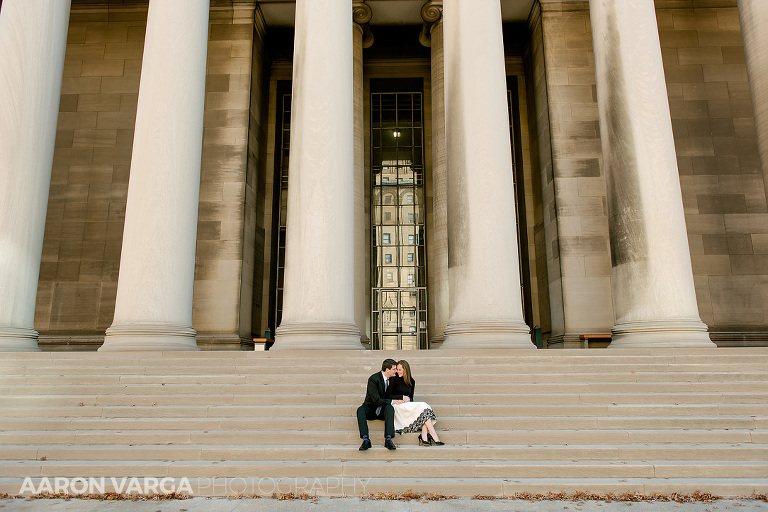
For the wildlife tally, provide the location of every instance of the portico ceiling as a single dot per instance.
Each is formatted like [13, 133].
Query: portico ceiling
[280, 13]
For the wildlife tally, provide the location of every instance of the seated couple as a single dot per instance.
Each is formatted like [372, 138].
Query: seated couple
[389, 397]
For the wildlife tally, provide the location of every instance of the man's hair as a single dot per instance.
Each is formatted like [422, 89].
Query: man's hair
[387, 364]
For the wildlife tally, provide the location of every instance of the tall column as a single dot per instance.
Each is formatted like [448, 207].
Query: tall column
[361, 38]
[654, 296]
[318, 297]
[33, 39]
[431, 13]
[753, 15]
[153, 309]
[485, 305]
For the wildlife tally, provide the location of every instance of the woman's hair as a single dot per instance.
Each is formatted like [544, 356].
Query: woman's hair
[406, 371]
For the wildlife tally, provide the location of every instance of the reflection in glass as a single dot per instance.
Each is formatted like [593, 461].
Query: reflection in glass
[397, 206]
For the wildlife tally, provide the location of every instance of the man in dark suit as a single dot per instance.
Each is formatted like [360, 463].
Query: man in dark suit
[376, 407]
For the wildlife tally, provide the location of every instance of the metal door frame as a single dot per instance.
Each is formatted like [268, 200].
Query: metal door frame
[377, 327]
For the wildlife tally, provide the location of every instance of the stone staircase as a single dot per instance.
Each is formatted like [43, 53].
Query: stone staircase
[646, 421]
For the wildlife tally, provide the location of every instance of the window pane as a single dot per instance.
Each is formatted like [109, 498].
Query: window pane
[397, 184]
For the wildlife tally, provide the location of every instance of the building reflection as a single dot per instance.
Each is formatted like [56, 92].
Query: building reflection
[399, 301]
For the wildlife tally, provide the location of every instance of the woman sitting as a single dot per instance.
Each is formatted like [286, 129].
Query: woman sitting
[411, 416]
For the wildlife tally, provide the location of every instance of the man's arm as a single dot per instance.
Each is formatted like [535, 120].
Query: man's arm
[373, 392]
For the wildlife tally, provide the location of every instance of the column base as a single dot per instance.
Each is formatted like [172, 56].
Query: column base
[661, 333]
[436, 341]
[485, 334]
[149, 337]
[18, 339]
[565, 341]
[317, 336]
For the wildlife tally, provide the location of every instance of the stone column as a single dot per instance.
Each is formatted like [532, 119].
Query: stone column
[153, 309]
[362, 38]
[753, 15]
[318, 300]
[485, 304]
[432, 36]
[653, 291]
[33, 40]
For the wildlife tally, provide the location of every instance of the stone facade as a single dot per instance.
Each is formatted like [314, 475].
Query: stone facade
[564, 198]
[720, 171]
[228, 223]
[89, 182]
[84, 226]
[718, 162]
[575, 222]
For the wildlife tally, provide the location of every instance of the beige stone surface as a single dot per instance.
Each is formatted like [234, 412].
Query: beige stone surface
[230, 169]
[713, 123]
[76, 291]
[577, 191]
[642, 421]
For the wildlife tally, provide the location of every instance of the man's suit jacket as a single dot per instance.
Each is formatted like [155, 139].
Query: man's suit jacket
[374, 395]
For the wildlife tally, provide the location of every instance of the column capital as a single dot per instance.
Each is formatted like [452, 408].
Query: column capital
[361, 15]
[431, 13]
[361, 12]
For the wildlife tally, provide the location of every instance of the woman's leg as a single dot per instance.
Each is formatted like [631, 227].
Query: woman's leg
[424, 431]
[428, 426]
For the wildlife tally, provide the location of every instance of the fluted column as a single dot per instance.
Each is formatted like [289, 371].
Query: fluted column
[653, 291]
[33, 40]
[153, 309]
[318, 300]
[753, 15]
[361, 38]
[485, 303]
[431, 13]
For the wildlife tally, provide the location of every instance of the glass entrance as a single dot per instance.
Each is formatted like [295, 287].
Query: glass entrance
[398, 256]
[402, 325]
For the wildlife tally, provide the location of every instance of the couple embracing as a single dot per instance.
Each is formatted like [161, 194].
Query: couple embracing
[389, 397]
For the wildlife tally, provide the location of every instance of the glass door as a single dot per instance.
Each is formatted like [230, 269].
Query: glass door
[399, 319]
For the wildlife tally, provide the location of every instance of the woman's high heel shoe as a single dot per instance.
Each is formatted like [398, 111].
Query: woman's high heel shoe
[432, 440]
[422, 442]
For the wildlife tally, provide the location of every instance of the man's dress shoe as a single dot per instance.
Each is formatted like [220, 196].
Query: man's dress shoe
[390, 445]
[366, 444]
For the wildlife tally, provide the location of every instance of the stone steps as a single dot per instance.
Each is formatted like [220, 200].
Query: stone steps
[627, 451]
[356, 389]
[737, 375]
[472, 486]
[319, 437]
[346, 424]
[349, 424]
[362, 469]
[310, 372]
[353, 399]
[667, 420]
[332, 410]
